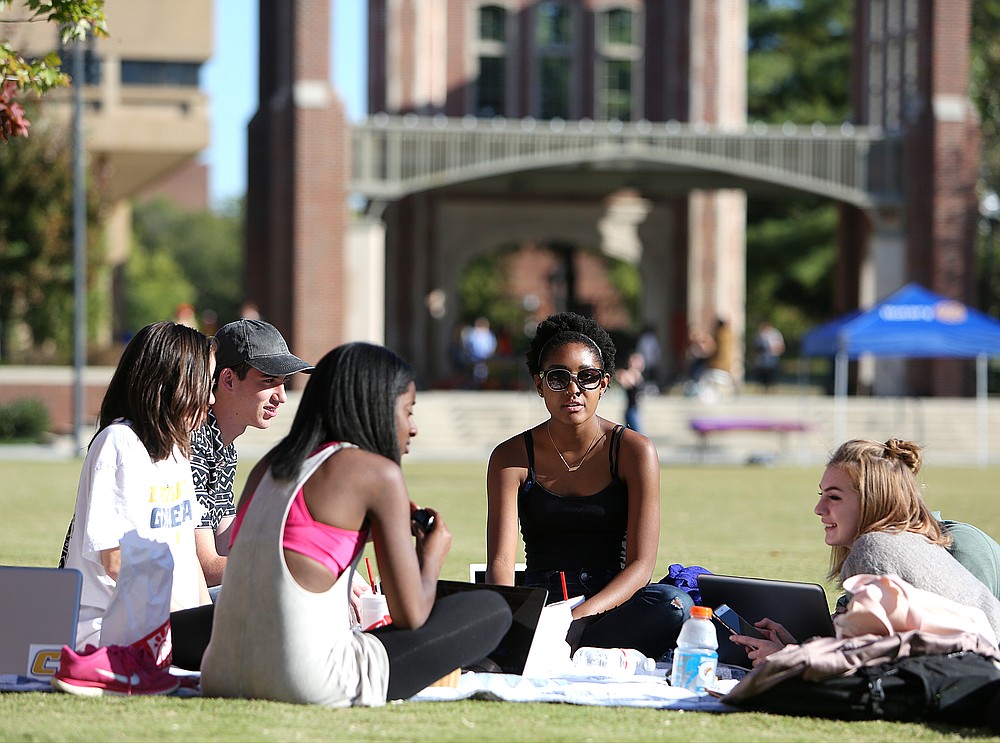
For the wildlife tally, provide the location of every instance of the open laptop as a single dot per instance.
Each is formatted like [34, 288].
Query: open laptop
[801, 607]
[38, 615]
[526, 606]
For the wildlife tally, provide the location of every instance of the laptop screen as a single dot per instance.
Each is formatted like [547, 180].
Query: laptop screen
[526, 607]
[38, 615]
[801, 607]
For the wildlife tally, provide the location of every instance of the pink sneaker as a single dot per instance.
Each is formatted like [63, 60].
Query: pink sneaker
[110, 670]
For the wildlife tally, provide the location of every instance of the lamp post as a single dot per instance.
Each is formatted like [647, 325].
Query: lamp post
[79, 249]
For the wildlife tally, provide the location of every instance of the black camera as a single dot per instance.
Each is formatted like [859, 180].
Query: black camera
[423, 519]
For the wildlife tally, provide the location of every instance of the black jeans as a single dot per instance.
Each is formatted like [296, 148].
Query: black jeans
[461, 629]
[649, 621]
[190, 631]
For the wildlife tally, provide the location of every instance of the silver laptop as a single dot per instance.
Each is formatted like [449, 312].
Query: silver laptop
[38, 615]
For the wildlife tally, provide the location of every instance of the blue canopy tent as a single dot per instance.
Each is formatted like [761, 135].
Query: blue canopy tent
[911, 323]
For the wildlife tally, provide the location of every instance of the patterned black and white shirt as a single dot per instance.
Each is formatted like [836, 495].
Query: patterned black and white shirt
[213, 467]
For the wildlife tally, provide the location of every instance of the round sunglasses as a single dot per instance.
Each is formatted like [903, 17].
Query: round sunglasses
[586, 379]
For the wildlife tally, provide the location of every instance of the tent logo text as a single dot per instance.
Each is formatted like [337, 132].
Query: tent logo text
[948, 311]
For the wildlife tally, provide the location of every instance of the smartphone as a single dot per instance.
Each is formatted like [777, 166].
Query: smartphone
[736, 624]
[423, 520]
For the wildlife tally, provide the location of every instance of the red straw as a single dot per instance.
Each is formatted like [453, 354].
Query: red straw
[562, 577]
[371, 578]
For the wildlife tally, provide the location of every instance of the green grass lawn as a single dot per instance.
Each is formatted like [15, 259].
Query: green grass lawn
[745, 520]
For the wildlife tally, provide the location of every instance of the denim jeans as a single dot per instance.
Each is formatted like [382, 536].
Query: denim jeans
[649, 621]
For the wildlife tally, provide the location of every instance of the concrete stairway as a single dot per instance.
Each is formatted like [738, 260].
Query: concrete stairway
[467, 425]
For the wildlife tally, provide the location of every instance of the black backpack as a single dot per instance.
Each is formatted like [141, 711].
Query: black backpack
[961, 688]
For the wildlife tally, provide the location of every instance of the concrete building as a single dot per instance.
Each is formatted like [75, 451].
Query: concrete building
[145, 118]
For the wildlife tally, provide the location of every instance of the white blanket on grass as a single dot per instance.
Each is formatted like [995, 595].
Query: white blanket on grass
[636, 691]
[652, 692]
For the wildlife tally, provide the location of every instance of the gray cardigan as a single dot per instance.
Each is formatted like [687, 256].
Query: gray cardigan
[923, 565]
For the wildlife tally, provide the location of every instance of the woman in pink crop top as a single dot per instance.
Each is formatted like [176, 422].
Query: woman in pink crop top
[360, 396]
[333, 547]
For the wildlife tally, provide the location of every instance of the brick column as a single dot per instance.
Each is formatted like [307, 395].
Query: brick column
[942, 152]
[298, 168]
[910, 76]
[717, 219]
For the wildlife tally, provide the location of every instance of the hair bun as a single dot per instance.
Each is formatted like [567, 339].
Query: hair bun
[905, 451]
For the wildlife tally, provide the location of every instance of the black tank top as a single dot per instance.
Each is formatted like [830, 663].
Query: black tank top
[569, 532]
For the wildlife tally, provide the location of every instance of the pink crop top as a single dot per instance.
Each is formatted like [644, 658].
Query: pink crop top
[331, 546]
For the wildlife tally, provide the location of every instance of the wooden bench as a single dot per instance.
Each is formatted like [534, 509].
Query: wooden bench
[704, 427]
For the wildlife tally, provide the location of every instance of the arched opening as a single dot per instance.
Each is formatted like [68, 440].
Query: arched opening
[517, 285]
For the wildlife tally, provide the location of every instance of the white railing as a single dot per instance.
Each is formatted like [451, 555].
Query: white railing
[396, 156]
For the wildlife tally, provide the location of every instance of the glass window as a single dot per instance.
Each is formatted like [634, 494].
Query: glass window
[93, 73]
[555, 87]
[618, 89]
[618, 27]
[184, 74]
[554, 25]
[490, 99]
[619, 65]
[492, 23]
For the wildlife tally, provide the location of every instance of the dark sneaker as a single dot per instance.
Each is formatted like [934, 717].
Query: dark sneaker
[116, 669]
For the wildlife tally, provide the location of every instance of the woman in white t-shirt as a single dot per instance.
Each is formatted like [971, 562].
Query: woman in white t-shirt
[136, 476]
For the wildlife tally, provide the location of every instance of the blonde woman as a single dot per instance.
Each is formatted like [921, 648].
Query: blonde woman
[876, 522]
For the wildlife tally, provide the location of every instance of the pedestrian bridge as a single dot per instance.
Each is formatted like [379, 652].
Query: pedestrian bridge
[394, 156]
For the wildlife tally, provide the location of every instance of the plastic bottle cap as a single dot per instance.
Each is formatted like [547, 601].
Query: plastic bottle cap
[701, 612]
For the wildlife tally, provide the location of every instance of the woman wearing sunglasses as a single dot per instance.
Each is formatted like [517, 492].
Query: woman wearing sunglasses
[586, 493]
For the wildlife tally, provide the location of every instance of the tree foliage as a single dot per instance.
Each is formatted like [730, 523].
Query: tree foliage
[76, 20]
[184, 257]
[483, 291]
[36, 246]
[790, 258]
[984, 72]
[155, 287]
[798, 58]
[799, 71]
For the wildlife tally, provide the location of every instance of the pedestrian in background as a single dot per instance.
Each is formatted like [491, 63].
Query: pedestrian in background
[479, 343]
[631, 378]
[769, 344]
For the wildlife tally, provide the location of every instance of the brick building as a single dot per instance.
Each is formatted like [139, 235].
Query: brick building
[568, 68]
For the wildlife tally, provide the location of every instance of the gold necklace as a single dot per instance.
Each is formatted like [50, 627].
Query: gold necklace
[575, 467]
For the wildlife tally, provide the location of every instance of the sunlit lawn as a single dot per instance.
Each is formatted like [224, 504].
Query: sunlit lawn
[745, 520]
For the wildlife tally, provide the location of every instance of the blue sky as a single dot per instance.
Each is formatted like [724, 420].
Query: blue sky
[230, 79]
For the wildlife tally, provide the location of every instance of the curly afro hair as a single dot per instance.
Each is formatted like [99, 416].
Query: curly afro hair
[556, 331]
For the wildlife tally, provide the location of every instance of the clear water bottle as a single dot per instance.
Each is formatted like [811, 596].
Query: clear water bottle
[697, 653]
[612, 662]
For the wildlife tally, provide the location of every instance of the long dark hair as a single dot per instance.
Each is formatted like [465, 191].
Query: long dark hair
[162, 385]
[351, 396]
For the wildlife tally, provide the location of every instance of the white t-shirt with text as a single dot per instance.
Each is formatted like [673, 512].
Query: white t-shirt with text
[121, 489]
